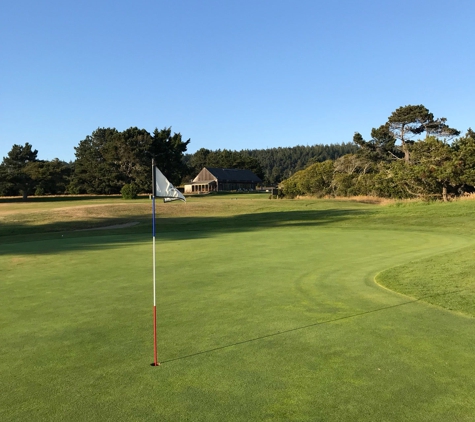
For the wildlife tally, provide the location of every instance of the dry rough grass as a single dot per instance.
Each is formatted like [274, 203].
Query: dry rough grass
[365, 199]
[16, 217]
[466, 197]
[75, 213]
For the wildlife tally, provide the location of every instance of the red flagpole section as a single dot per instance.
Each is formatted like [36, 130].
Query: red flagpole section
[155, 354]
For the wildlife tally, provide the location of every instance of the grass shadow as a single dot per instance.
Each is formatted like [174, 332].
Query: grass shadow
[168, 228]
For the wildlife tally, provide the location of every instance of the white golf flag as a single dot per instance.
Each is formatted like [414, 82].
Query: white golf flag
[164, 189]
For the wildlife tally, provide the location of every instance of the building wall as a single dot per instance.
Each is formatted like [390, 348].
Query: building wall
[204, 175]
[201, 187]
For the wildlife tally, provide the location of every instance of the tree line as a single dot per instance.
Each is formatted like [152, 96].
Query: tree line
[108, 159]
[412, 155]
[21, 173]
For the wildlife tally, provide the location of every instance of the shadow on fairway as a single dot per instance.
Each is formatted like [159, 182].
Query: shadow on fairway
[168, 229]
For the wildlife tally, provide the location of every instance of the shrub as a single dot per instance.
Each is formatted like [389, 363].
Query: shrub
[129, 191]
[39, 191]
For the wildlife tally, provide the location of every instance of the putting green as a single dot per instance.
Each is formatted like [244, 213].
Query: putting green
[274, 323]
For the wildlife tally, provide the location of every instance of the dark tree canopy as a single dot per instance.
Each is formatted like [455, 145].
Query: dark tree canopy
[168, 151]
[14, 177]
[21, 173]
[108, 159]
[96, 169]
[50, 177]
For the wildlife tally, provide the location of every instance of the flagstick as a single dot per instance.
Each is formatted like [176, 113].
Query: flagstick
[155, 358]
[162, 188]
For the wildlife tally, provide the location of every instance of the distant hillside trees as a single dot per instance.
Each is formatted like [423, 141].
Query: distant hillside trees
[280, 163]
[396, 162]
[108, 159]
[271, 165]
[221, 159]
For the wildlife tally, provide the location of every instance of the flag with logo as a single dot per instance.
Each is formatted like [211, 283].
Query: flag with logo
[164, 189]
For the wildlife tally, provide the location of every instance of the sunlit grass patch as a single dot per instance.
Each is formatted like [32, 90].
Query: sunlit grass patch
[446, 280]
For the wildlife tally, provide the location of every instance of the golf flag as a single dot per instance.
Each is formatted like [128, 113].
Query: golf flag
[164, 189]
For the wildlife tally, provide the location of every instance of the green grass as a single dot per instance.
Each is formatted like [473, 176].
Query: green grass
[446, 280]
[267, 310]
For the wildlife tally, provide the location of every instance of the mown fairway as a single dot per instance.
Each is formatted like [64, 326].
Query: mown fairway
[267, 310]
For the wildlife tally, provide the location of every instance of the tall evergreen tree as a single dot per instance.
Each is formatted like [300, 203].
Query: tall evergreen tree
[97, 168]
[14, 178]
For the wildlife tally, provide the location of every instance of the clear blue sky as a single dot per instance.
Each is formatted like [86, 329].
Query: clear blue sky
[235, 74]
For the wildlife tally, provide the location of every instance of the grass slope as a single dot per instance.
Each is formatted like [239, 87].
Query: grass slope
[446, 280]
[267, 311]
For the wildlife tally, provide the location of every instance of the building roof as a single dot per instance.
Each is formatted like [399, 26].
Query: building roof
[232, 175]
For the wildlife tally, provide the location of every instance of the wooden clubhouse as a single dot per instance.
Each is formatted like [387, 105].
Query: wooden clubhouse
[217, 179]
